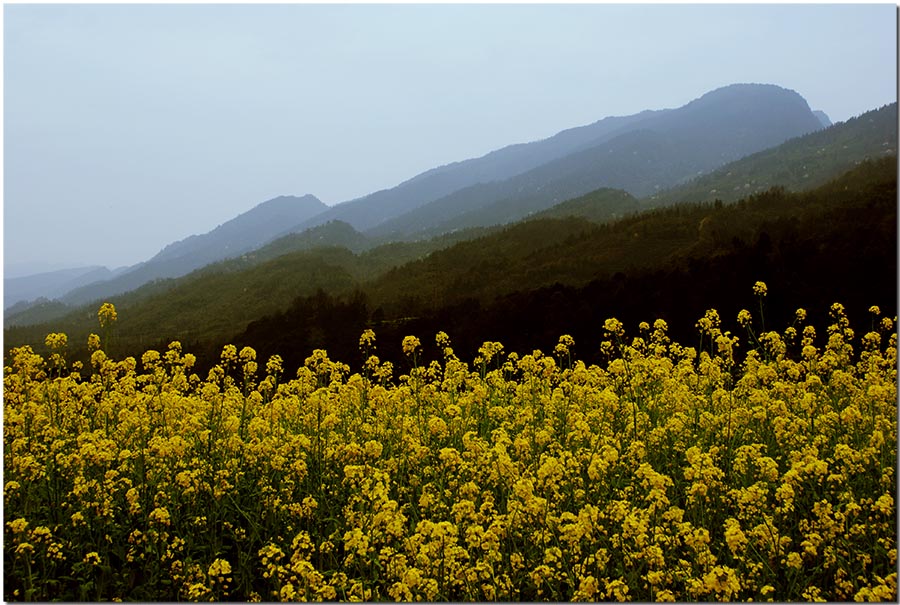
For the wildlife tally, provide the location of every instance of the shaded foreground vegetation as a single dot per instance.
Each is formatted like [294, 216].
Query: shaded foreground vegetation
[664, 472]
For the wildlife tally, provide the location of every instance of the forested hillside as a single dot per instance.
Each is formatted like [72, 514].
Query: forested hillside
[657, 152]
[241, 234]
[530, 282]
[643, 154]
[801, 163]
[836, 243]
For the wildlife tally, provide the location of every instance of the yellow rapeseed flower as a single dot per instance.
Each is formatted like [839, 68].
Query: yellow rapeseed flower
[410, 344]
[219, 568]
[160, 515]
[18, 526]
[107, 314]
[734, 537]
[92, 558]
[885, 505]
[93, 343]
[56, 341]
[367, 339]
[614, 327]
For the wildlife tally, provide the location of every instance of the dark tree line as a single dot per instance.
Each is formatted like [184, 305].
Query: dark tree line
[837, 243]
[854, 263]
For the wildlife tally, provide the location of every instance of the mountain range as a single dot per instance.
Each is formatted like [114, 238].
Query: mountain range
[640, 153]
[50, 284]
[526, 283]
[241, 234]
[801, 163]
[619, 166]
[650, 153]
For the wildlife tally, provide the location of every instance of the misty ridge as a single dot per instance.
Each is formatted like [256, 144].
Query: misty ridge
[728, 143]
[381, 209]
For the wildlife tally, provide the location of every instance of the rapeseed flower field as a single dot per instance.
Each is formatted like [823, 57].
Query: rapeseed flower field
[760, 465]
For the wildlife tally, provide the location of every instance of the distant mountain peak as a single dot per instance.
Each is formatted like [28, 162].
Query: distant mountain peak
[243, 233]
[750, 97]
[650, 151]
[248, 230]
[291, 204]
[745, 88]
[290, 200]
[823, 118]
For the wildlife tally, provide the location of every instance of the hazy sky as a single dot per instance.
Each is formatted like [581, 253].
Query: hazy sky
[127, 127]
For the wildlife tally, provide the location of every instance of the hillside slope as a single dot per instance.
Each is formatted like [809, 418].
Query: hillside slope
[801, 163]
[373, 209]
[836, 243]
[640, 153]
[241, 234]
[544, 270]
[657, 152]
[539, 253]
[49, 285]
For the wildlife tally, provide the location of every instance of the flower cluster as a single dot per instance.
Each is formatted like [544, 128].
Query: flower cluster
[668, 473]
